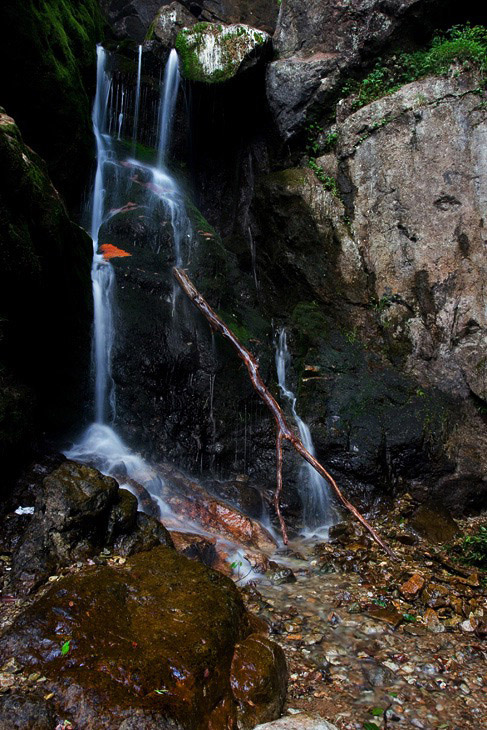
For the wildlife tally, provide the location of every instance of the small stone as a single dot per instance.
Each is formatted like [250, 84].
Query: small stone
[432, 621]
[282, 576]
[413, 586]
[12, 666]
[6, 680]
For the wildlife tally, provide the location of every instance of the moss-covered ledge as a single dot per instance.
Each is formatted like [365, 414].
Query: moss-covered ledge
[212, 53]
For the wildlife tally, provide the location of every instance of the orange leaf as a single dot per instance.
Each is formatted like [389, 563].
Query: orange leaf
[112, 252]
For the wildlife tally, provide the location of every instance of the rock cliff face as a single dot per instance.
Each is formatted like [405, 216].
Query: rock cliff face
[370, 256]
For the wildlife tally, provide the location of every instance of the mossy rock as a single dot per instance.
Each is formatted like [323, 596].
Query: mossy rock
[214, 53]
[154, 638]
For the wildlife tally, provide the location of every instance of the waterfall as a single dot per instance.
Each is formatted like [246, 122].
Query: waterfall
[319, 513]
[102, 274]
[169, 94]
[137, 96]
[100, 444]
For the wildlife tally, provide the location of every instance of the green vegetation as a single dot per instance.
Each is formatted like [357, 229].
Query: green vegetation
[474, 548]
[315, 144]
[233, 46]
[53, 52]
[462, 44]
[329, 182]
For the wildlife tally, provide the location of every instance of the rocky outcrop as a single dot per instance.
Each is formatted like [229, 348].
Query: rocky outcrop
[78, 513]
[160, 642]
[48, 52]
[214, 53]
[133, 18]
[391, 226]
[169, 21]
[321, 43]
[45, 301]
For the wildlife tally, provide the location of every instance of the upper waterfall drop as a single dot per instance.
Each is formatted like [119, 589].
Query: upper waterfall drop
[169, 95]
[137, 96]
[102, 274]
[319, 513]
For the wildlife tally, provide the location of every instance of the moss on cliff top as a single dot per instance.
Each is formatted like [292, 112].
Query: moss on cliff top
[47, 52]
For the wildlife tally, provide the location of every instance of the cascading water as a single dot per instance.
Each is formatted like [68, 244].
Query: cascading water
[102, 274]
[100, 444]
[160, 198]
[169, 95]
[137, 96]
[319, 513]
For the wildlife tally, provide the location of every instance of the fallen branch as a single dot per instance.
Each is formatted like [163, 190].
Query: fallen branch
[283, 430]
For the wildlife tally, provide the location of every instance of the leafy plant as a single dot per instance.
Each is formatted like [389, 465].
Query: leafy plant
[329, 182]
[462, 44]
[474, 548]
[66, 647]
[409, 617]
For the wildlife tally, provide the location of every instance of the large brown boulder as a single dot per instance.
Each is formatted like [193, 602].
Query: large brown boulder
[162, 642]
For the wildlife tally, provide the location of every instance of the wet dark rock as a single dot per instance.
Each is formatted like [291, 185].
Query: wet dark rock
[243, 495]
[152, 641]
[282, 575]
[26, 712]
[78, 513]
[259, 680]
[147, 534]
[434, 523]
[195, 547]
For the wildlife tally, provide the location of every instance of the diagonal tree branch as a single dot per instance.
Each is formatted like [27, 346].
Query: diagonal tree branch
[283, 430]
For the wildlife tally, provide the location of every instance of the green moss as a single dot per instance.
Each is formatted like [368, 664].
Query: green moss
[233, 45]
[293, 177]
[53, 53]
[310, 323]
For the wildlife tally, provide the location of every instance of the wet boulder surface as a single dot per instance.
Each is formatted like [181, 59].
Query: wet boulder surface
[161, 641]
[78, 513]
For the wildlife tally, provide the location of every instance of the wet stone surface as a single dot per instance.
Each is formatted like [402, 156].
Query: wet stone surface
[398, 645]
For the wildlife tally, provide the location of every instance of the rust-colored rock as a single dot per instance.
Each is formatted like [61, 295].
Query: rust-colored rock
[195, 547]
[258, 679]
[190, 499]
[412, 587]
[387, 615]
